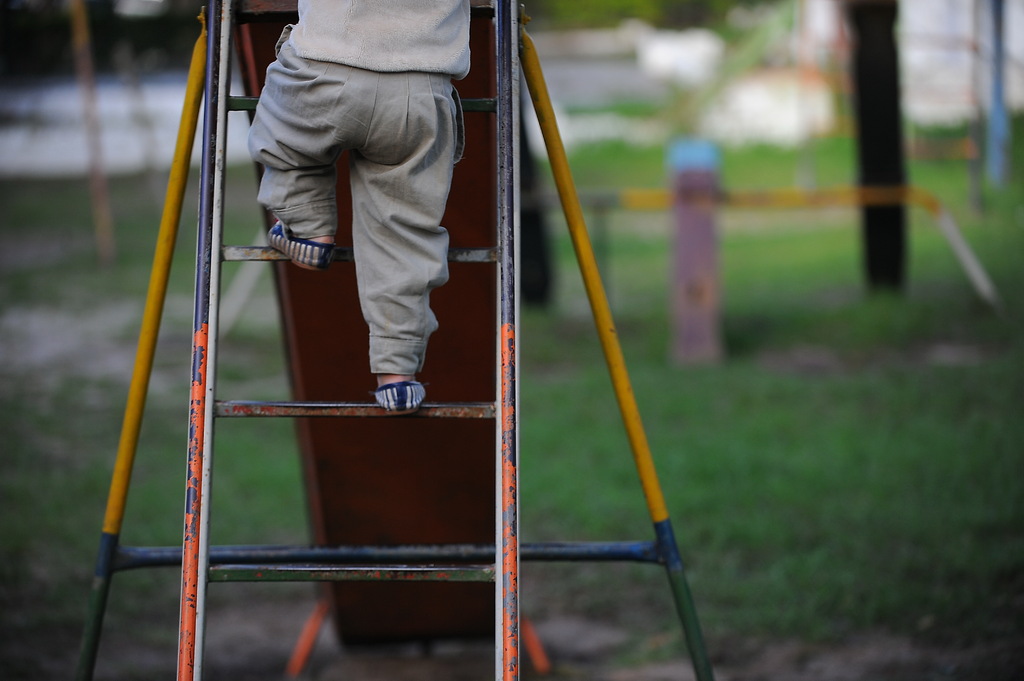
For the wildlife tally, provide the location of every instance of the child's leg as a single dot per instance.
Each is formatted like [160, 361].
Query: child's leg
[400, 183]
[294, 135]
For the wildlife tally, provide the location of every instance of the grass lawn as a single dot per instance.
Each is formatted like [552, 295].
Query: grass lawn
[856, 463]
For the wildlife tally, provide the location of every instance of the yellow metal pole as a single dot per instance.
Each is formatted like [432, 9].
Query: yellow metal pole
[157, 288]
[592, 282]
[661, 199]
[131, 425]
[666, 542]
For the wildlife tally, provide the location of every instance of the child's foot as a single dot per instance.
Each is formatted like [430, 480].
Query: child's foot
[399, 394]
[315, 253]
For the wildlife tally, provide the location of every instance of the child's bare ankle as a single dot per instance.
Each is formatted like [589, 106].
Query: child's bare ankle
[385, 379]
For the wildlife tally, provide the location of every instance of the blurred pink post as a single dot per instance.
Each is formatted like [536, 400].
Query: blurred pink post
[695, 294]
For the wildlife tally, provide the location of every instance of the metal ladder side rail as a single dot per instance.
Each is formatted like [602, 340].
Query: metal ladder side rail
[196, 551]
[615, 359]
[195, 542]
[507, 613]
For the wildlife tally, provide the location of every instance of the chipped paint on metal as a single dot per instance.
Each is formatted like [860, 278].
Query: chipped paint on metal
[340, 573]
[193, 496]
[240, 408]
[509, 507]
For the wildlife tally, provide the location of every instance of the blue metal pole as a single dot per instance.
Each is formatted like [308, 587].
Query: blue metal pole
[998, 122]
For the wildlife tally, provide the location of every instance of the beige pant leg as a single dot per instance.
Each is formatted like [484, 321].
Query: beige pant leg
[400, 182]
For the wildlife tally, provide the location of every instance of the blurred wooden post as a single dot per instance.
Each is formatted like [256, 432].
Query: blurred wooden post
[879, 118]
[103, 222]
[695, 296]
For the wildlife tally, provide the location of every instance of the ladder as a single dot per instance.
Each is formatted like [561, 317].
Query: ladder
[198, 566]
[496, 563]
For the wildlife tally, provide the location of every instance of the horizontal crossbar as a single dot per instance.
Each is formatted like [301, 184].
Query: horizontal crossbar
[349, 573]
[455, 410]
[246, 253]
[131, 557]
[269, 10]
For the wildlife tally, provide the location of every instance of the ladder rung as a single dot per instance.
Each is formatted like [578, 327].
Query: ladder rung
[241, 253]
[346, 573]
[256, 10]
[240, 103]
[471, 104]
[482, 105]
[454, 410]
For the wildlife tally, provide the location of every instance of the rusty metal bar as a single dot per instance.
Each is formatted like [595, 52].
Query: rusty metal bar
[343, 254]
[346, 573]
[454, 410]
[270, 10]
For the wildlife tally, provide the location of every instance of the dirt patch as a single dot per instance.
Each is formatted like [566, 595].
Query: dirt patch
[254, 641]
[874, 657]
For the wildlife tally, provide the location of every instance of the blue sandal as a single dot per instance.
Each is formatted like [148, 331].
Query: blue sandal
[301, 251]
[400, 398]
